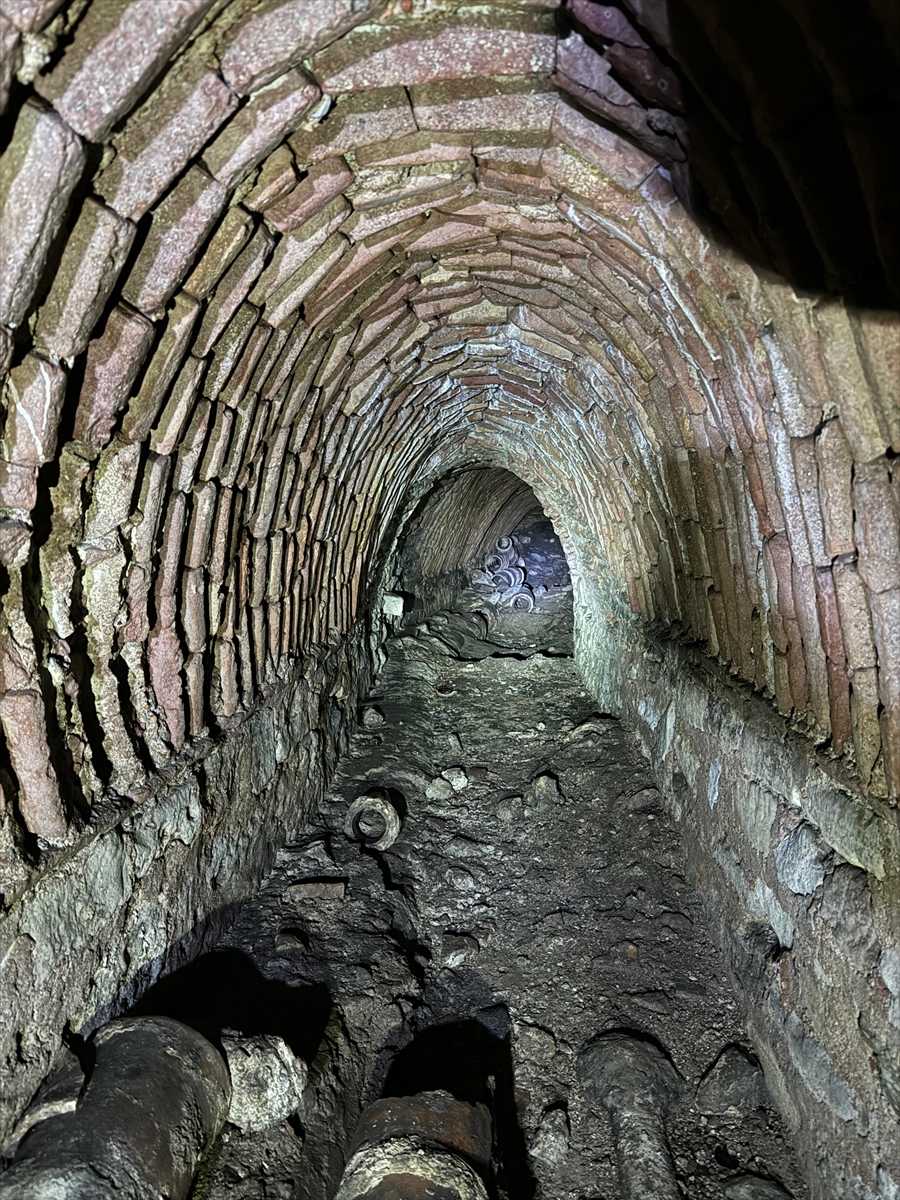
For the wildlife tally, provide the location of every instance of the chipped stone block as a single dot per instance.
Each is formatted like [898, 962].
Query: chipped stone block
[33, 398]
[113, 362]
[180, 226]
[38, 171]
[94, 256]
[119, 48]
[112, 487]
[278, 34]
[163, 136]
[277, 175]
[612, 155]
[254, 131]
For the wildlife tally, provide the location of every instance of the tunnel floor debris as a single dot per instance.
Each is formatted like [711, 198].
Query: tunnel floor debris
[537, 896]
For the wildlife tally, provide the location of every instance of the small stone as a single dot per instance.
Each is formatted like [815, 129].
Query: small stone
[372, 717]
[543, 792]
[799, 859]
[439, 789]
[734, 1084]
[511, 808]
[632, 952]
[551, 1140]
[457, 778]
[267, 1080]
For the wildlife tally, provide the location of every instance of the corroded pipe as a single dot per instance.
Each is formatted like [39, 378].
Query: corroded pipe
[157, 1096]
[635, 1083]
[429, 1145]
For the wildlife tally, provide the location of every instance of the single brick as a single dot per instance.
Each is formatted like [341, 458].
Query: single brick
[92, 260]
[324, 181]
[33, 399]
[277, 176]
[113, 362]
[24, 724]
[180, 226]
[38, 171]
[120, 47]
[30, 15]
[232, 290]
[278, 34]
[224, 246]
[167, 358]
[257, 128]
[10, 57]
[163, 136]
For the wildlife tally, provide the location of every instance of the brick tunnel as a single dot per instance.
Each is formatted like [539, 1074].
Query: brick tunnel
[450, 631]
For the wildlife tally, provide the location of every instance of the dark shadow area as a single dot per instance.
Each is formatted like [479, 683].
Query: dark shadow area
[775, 120]
[224, 990]
[473, 1064]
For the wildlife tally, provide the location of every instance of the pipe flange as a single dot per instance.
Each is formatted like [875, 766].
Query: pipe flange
[373, 821]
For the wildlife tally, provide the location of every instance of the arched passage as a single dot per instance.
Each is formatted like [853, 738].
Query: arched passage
[261, 289]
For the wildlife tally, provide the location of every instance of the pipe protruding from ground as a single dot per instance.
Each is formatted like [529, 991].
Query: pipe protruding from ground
[635, 1082]
[411, 1147]
[158, 1095]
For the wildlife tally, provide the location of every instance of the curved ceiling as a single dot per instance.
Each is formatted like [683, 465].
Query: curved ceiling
[335, 252]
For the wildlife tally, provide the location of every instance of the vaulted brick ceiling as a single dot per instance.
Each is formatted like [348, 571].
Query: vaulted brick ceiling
[271, 269]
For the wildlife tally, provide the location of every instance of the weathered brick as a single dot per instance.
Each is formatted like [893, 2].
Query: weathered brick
[18, 485]
[409, 52]
[113, 362]
[278, 34]
[277, 175]
[30, 15]
[10, 57]
[232, 290]
[167, 432]
[33, 400]
[161, 370]
[25, 728]
[180, 226]
[257, 128]
[357, 120]
[224, 246]
[38, 171]
[323, 182]
[94, 256]
[163, 136]
[119, 48]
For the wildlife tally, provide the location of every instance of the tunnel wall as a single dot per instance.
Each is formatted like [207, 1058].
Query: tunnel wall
[264, 285]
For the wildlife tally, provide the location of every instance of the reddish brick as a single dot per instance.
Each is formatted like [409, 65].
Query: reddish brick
[257, 128]
[113, 362]
[224, 246]
[356, 120]
[18, 485]
[323, 182]
[409, 52]
[835, 496]
[30, 15]
[38, 171]
[618, 159]
[119, 48]
[10, 57]
[167, 358]
[91, 263]
[278, 34]
[232, 290]
[516, 105]
[33, 400]
[22, 717]
[180, 226]
[163, 136]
